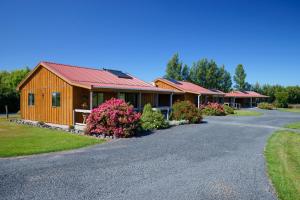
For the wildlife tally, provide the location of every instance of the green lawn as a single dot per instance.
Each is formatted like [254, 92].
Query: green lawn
[246, 113]
[295, 110]
[17, 140]
[295, 125]
[283, 163]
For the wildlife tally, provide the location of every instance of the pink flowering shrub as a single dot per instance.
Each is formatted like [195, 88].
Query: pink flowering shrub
[213, 109]
[113, 117]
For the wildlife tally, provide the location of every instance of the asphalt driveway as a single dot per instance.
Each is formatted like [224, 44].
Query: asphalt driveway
[220, 159]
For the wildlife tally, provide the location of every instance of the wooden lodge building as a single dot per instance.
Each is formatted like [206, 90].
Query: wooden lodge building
[62, 94]
[244, 99]
[190, 91]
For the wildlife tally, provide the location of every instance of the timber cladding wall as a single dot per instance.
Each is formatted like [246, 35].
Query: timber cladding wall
[191, 97]
[42, 84]
[164, 85]
[187, 96]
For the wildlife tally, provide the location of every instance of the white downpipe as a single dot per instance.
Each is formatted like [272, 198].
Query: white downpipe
[91, 100]
[171, 100]
[199, 100]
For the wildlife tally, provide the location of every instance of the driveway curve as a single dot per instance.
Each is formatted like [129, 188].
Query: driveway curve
[219, 159]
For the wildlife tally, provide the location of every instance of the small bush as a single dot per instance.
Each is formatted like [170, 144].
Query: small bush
[113, 117]
[185, 110]
[265, 105]
[152, 119]
[281, 99]
[228, 110]
[41, 123]
[213, 109]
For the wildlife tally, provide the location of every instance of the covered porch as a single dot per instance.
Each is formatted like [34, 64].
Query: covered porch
[243, 102]
[85, 100]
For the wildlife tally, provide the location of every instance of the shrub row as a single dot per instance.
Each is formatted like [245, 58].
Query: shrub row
[117, 118]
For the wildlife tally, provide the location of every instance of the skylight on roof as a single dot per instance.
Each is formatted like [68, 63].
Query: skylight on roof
[173, 81]
[118, 73]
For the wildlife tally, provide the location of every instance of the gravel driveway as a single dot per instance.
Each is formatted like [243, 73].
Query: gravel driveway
[220, 159]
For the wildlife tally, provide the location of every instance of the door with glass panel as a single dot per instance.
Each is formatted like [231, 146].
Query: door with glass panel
[98, 99]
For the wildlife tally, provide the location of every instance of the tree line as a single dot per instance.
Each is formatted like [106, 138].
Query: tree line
[8, 94]
[203, 72]
[208, 74]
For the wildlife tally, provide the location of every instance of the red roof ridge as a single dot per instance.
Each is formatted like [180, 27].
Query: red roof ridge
[68, 65]
[149, 85]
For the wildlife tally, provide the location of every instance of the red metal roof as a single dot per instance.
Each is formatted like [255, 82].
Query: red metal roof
[98, 78]
[186, 86]
[245, 94]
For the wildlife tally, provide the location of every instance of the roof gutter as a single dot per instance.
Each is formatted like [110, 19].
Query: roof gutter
[135, 89]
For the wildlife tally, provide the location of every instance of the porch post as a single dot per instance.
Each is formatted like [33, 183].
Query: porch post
[73, 118]
[199, 100]
[140, 101]
[156, 100]
[91, 100]
[171, 100]
[251, 102]
[233, 102]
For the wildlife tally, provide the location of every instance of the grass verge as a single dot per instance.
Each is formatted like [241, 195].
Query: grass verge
[295, 125]
[246, 113]
[283, 163]
[18, 140]
[294, 110]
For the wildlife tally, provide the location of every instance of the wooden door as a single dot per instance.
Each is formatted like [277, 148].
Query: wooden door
[41, 105]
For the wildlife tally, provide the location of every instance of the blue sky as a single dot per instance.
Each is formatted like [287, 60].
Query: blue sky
[139, 37]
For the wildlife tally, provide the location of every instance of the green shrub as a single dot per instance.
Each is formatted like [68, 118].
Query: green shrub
[228, 110]
[41, 123]
[152, 119]
[265, 105]
[281, 99]
[185, 110]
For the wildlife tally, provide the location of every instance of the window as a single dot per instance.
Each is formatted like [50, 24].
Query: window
[30, 99]
[55, 99]
[130, 98]
[97, 99]
[121, 96]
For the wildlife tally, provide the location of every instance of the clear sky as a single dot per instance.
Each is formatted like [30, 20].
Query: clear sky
[139, 37]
